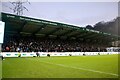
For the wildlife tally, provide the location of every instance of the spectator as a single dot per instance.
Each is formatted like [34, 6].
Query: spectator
[28, 44]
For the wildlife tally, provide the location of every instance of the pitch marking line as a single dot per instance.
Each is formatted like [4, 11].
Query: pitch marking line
[82, 69]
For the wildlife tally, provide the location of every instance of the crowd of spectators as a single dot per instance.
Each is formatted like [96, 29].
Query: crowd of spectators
[29, 44]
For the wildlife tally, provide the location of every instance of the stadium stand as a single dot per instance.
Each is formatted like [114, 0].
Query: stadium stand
[23, 34]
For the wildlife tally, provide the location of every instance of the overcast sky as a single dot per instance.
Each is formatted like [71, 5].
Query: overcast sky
[76, 13]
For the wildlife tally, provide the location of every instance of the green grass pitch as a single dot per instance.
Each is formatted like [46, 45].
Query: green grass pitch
[101, 66]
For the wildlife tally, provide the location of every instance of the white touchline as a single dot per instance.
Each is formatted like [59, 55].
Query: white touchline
[81, 68]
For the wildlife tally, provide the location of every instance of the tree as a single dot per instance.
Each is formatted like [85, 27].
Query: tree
[89, 27]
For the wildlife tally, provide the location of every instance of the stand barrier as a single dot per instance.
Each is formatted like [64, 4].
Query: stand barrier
[44, 54]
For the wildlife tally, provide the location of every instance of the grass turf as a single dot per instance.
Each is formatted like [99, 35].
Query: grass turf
[102, 66]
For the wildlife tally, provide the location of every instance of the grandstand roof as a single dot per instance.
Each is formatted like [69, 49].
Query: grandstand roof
[15, 24]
